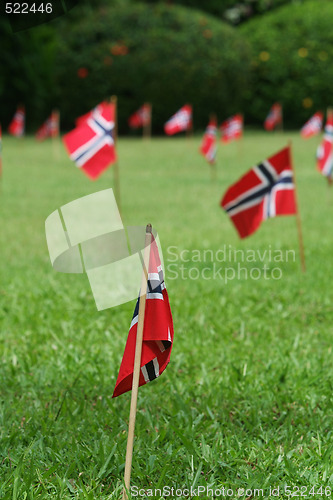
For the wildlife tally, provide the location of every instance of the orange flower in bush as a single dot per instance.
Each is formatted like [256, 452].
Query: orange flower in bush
[82, 72]
[119, 49]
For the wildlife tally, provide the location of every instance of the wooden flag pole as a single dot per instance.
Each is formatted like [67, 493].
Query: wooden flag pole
[189, 130]
[298, 216]
[137, 362]
[240, 140]
[281, 123]
[113, 100]
[147, 126]
[55, 136]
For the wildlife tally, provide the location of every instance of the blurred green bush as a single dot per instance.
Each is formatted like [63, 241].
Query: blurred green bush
[26, 73]
[168, 55]
[292, 56]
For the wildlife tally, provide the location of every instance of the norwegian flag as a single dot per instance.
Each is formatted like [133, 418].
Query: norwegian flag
[141, 117]
[182, 120]
[208, 144]
[99, 108]
[157, 331]
[324, 151]
[274, 117]
[90, 145]
[50, 127]
[16, 126]
[267, 190]
[313, 126]
[232, 128]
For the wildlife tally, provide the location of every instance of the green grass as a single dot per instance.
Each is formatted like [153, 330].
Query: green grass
[246, 401]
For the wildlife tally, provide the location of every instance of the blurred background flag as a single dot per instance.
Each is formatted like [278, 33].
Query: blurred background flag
[267, 190]
[16, 126]
[232, 128]
[274, 117]
[313, 126]
[180, 121]
[141, 117]
[208, 145]
[50, 128]
[324, 151]
[91, 144]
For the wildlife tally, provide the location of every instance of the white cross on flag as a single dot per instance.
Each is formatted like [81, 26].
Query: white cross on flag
[91, 145]
[182, 120]
[267, 190]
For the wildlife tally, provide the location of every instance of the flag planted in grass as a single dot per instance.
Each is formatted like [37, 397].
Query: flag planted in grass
[313, 126]
[91, 144]
[324, 151]
[208, 145]
[267, 190]
[50, 127]
[180, 121]
[157, 330]
[16, 126]
[232, 128]
[141, 117]
[274, 117]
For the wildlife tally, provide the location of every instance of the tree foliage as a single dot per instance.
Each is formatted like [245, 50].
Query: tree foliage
[292, 55]
[169, 55]
[26, 76]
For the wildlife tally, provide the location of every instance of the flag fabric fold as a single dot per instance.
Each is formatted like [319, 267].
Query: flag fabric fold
[50, 128]
[16, 126]
[274, 117]
[267, 190]
[232, 128]
[313, 126]
[208, 145]
[324, 151]
[141, 117]
[157, 332]
[97, 109]
[91, 145]
[180, 121]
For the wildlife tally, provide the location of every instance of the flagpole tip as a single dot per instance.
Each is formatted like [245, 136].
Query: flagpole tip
[149, 229]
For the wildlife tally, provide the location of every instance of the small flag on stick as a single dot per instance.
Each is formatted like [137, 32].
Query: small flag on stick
[267, 190]
[149, 343]
[324, 151]
[91, 145]
[17, 125]
[208, 145]
[232, 128]
[180, 121]
[50, 127]
[142, 119]
[274, 117]
[313, 126]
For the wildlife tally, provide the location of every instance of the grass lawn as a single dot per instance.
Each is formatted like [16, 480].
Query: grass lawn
[246, 401]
